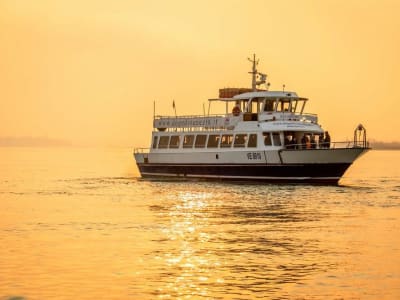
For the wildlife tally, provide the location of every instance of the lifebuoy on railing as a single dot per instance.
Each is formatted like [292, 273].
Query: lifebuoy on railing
[236, 111]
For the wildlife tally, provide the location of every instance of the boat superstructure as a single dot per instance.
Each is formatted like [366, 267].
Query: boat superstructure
[262, 136]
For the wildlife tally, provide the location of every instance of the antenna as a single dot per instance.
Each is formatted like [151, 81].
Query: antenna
[154, 110]
[253, 72]
[262, 77]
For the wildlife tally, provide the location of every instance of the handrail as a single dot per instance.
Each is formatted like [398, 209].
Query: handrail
[324, 145]
[141, 150]
[285, 113]
[189, 116]
[293, 147]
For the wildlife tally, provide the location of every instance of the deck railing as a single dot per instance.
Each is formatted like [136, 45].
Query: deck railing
[324, 145]
[141, 150]
[294, 147]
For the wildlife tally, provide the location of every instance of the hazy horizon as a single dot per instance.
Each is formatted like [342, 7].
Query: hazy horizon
[89, 72]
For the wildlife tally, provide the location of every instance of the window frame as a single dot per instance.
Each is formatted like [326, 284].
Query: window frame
[249, 139]
[155, 142]
[230, 139]
[276, 134]
[196, 145]
[162, 145]
[236, 145]
[265, 135]
[177, 142]
[188, 145]
[213, 143]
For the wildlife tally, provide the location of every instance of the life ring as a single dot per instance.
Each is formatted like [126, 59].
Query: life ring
[236, 111]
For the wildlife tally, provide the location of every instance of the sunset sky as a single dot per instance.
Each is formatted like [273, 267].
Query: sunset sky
[87, 71]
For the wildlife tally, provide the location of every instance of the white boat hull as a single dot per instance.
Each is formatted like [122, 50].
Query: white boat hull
[304, 166]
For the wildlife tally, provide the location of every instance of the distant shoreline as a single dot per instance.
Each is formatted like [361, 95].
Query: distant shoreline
[385, 146]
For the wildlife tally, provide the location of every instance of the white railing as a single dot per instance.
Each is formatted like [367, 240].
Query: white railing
[141, 150]
[324, 145]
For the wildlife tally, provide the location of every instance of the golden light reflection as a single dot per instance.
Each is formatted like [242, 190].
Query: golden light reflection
[189, 262]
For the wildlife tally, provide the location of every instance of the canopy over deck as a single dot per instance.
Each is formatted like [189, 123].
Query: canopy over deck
[261, 94]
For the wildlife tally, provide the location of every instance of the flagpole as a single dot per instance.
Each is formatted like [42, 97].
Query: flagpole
[173, 105]
[154, 110]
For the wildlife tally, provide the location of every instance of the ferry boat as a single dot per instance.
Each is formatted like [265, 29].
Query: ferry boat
[262, 136]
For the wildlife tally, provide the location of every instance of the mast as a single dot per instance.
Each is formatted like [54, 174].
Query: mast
[257, 75]
[253, 73]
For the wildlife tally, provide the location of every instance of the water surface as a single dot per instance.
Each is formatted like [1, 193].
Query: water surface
[80, 223]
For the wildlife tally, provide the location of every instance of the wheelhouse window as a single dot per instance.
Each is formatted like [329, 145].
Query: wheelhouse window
[213, 141]
[174, 141]
[240, 140]
[269, 105]
[155, 140]
[267, 139]
[284, 105]
[276, 137]
[252, 140]
[163, 143]
[200, 141]
[226, 140]
[188, 141]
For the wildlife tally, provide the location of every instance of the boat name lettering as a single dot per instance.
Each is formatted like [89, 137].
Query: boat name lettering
[254, 156]
[199, 122]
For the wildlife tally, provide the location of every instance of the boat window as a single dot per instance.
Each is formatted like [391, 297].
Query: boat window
[213, 141]
[226, 140]
[188, 141]
[269, 105]
[284, 105]
[276, 137]
[174, 142]
[254, 106]
[267, 139]
[252, 140]
[200, 141]
[163, 143]
[155, 140]
[240, 140]
[294, 105]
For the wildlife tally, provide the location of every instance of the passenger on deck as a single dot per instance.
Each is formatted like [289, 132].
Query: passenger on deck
[321, 140]
[327, 140]
[304, 140]
[287, 142]
[294, 143]
[313, 142]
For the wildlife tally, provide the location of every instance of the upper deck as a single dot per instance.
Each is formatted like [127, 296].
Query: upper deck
[259, 106]
[244, 105]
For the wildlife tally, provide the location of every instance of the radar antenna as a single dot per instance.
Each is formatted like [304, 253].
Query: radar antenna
[262, 78]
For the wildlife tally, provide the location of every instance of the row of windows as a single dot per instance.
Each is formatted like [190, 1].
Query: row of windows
[215, 140]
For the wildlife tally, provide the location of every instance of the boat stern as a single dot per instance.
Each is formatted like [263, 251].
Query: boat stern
[141, 155]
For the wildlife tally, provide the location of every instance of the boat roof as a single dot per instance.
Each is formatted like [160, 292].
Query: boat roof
[273, 94]
[261, 94]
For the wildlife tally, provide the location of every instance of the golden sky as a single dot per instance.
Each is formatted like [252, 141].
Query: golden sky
[88, 71]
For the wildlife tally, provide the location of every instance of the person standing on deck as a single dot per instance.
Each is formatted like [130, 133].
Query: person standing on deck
[327, 140]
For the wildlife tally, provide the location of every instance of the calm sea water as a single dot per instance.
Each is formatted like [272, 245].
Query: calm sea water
[81, 224]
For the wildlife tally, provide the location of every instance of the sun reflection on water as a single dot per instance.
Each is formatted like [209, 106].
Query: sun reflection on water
[215, 242]
[96, 237]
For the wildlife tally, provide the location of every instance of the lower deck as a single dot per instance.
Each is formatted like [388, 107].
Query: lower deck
[293, 173]
[298, 166]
